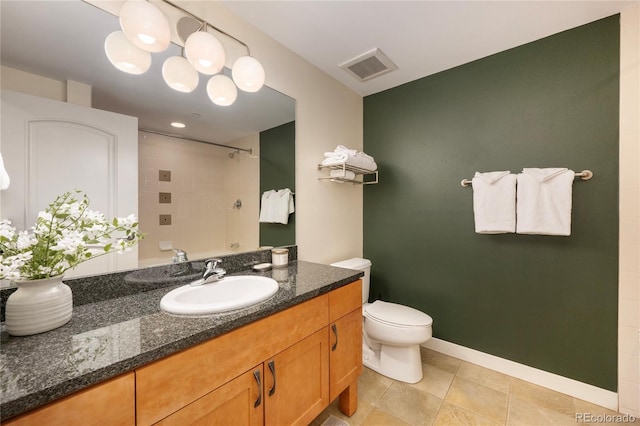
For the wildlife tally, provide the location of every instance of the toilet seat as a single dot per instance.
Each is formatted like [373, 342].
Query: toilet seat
[396, 315]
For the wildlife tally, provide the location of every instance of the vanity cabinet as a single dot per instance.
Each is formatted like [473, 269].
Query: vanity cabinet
[169, 384]
[281, 370]
[292, 350]
[88, 407]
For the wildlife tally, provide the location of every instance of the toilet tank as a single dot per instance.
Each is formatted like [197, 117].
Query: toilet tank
[358, 264]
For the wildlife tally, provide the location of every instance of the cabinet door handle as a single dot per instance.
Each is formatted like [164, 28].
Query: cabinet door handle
[256, 374]
[272, 367]
[335, 331]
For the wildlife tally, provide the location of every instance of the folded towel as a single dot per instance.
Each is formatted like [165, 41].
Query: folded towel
[494, 202]
[276, 206]
[544, 201]
[344, 174]
[351, 157]
[342, 148]
[358, 161]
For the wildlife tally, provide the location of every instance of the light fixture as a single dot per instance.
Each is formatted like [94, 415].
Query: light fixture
[145, 25]
[178, 125]
[248, 74]
[145, 28]
[179, 74]
[124, 55]
[221, 90]
[205, 52]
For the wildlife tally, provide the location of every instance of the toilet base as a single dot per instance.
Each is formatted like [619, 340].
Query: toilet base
[401, 363]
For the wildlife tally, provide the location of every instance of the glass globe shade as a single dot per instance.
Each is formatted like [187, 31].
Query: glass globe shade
[179, 74]
[248, 74]
[204, 52]
[221, 90]
[145, 25]
[124, 55]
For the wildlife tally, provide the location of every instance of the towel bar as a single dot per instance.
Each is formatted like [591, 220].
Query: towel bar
[584, 175]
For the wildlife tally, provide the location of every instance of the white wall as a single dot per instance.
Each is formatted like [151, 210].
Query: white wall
[328, 215]
[36, 85]
[629, 260]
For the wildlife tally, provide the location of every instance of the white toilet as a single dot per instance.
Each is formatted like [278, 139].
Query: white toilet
[391, 333]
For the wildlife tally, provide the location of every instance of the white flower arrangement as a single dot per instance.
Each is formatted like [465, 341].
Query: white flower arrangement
[66, 234]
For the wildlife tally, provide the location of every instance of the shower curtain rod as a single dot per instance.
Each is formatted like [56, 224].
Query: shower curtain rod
[156, 132]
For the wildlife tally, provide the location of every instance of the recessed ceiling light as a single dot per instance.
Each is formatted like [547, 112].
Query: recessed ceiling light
[178, 125]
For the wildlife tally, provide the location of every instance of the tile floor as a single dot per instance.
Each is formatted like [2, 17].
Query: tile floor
[455, 392]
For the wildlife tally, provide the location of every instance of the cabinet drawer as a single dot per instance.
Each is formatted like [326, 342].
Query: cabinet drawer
[93, 406]
[169, 384]
[344, 300]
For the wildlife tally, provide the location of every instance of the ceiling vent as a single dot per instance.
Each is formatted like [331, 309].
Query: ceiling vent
[369, 65]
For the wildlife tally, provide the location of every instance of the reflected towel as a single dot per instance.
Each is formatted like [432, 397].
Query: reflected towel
[4, 176]
[494, 202]
[544, 201]
[265, 207]
[276, 206]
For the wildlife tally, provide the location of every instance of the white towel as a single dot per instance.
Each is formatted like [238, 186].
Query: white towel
[544, 201]
[494, 202]
[265, 207]
[4, 176]
[345, 174]
[276, 206]
[343, 155]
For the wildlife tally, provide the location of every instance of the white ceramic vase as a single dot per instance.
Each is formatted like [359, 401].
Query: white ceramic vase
[38, 306]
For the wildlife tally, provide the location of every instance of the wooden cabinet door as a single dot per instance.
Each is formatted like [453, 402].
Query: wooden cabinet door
[111, 402]
[239, 402]
[297, 382]
[345, 356]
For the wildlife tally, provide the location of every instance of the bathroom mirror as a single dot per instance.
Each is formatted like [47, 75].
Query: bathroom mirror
[64, 41]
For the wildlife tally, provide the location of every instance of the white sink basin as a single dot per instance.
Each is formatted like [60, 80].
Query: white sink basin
[229, 293]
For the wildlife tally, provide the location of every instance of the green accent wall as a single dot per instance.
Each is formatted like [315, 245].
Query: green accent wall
[549, 302]
[278, 171]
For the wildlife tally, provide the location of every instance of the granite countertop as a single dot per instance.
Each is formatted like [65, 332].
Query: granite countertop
[116, 335]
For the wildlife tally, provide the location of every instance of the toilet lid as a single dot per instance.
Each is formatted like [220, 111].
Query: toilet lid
[393, 313]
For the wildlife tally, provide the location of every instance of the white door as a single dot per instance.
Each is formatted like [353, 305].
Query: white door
[50, 147]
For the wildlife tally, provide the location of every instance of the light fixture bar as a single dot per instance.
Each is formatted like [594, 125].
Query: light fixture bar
[205, 24]
[157, 132]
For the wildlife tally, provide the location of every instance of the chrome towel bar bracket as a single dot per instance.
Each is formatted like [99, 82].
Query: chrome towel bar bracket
[584, 175]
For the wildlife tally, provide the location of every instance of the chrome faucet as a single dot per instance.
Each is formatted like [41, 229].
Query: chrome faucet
[211, 269]
[180, 256]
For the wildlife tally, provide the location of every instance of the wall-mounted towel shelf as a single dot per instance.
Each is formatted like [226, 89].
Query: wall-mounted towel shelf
[584, 175]
[344, 168]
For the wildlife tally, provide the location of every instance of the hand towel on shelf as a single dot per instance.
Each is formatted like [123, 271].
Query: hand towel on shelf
[344, 174]
[544, 201]
[266, 215]
[494, 202]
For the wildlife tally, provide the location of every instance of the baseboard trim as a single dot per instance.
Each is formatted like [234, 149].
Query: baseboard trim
[574, 388]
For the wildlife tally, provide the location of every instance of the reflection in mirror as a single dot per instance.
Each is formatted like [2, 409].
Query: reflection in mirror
[198, 197]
